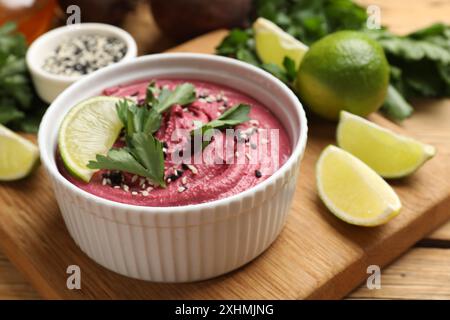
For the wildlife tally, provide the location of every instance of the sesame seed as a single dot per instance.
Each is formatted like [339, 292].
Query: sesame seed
[126, 188]
[184, 180]
[141, 181]
[134, 178]
[84, 54]
[181, 189]
[249, 157]
[221, 108]
[145, 193]
[264, 141]
[116, 187]
[192, 168]
[103, 182]
[254, 122]
[134, 193]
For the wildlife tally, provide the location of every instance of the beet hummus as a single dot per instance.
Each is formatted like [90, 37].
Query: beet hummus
[194, 182]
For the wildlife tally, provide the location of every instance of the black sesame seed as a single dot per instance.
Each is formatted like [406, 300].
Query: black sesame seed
[258, 174]
[172, 177]
[164, 144]
[116, 178]
[179, 172]
[184, 166]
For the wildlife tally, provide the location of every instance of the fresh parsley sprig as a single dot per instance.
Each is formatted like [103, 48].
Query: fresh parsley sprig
[232, 117]
[20, 107]
[143, 154]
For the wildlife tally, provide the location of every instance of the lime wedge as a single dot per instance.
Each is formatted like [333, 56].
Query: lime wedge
[389, 154]
[90, 128]
[18, 156]
[352, 191]
[273, 44]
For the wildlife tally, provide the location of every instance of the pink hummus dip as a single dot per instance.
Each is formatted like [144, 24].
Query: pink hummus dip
[197, 182]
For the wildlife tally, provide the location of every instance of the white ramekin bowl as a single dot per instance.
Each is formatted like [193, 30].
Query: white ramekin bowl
[185, 243]
[49, 85]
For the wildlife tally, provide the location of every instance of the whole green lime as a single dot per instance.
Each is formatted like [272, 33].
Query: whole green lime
[345, 70]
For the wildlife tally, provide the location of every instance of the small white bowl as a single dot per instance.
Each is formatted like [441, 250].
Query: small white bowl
[49, 85]
[185, 243]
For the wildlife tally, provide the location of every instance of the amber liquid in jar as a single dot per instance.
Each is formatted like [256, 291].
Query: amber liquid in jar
[33, 17]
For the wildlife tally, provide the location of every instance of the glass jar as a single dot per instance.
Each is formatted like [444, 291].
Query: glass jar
[33, 17]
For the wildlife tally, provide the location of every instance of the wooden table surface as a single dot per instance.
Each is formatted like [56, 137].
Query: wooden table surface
[421, 273]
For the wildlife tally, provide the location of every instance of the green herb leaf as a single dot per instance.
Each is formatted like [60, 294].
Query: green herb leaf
[232, 117]
[291, 70]
[19, 105]
[182, 95]
[148, 151]
[118, 159]
[143, 156]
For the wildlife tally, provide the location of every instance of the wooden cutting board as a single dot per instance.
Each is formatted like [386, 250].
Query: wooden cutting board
[316, 255]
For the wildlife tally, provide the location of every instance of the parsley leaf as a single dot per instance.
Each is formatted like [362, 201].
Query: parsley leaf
[182, 95]
[143, 156]
[20, 108]
[232, 117]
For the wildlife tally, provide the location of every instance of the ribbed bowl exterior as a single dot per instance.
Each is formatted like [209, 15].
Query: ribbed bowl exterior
[186, 243]
[186, 247]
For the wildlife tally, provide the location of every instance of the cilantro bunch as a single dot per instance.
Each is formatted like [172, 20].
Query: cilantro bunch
[20, 108]
[420, 61]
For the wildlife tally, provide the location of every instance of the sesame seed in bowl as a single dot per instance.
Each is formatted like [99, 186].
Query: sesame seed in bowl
[62, 56]
[77, 56]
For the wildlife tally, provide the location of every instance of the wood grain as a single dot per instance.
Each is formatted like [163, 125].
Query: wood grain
[35, 239]
[420, 274]
[12, 283]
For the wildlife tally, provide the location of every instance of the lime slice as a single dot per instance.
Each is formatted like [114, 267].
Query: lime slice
[90, 128]
[18, 156]
[389, 154]
[352, 191]
[273, 44]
